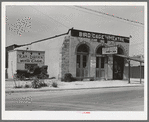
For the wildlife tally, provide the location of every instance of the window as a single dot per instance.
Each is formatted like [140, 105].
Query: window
[120, 51]
[99, 50]
[78, 61]
[97, 62]
[84, 61]
[102, 62]
[83, 48]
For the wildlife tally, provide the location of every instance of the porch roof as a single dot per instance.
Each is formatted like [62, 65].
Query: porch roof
[130, 58]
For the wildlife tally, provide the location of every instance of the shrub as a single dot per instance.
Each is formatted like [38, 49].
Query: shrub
[91, 79]
[37, 70]
[18, 86]
[27, 86]
[41, 72]
[42, 76]
[52, 78]
[68, 77]
[73, 79]
[36, 83]
[54, 84]
[43, 84]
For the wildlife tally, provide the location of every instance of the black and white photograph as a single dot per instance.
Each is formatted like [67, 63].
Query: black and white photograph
[74, 60]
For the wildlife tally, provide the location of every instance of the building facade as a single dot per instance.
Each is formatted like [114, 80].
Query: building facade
[84, 54]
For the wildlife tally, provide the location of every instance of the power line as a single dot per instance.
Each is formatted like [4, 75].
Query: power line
[137, 44]
[51, 17]
[68, 27]
[102, 15]
[125, 19]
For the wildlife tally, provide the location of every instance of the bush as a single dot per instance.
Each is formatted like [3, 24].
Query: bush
[73, 79]
[52, 78]
[37, 70]
[54, 84]
[27, 86]
[42, 76]
[36, 83]
[68, 77]
[18, 86]
[91, 79]
[43, 84]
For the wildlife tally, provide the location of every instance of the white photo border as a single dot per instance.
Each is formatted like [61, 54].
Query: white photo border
[73, 115]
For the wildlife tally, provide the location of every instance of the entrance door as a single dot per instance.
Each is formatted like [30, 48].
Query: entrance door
[100, 71]
[118, 66]
[82, 66]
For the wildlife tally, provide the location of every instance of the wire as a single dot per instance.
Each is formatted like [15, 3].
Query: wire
[125, 19]
[102, 16]
[51, 18]
[137, 44]
[79, 10]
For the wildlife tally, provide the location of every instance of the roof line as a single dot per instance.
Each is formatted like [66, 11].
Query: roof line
[47, 38]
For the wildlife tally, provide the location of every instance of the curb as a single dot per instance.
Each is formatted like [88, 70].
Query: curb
[36, 90]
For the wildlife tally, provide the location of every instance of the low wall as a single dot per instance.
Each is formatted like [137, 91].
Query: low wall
[135, 72]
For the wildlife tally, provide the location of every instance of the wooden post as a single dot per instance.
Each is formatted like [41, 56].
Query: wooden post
[140, 72]
[129, 71]
[106, 67]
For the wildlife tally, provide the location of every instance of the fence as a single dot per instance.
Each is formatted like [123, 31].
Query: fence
[135, 71]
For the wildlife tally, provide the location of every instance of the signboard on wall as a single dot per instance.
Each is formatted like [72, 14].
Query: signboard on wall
[109, 50]
[30, 57]
[98, 36]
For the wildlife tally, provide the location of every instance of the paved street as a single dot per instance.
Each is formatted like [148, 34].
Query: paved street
[104, 99]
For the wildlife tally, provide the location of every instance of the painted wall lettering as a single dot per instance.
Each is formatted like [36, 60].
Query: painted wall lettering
[30, 57]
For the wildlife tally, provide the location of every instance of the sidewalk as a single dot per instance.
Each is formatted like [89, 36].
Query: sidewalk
[74, 85]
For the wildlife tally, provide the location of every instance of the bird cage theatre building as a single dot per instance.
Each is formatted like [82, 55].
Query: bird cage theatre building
[84, 54]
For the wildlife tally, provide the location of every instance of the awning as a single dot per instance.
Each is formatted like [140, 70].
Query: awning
[127, 57]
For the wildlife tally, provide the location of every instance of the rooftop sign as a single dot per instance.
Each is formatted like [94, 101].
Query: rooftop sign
[100, 36]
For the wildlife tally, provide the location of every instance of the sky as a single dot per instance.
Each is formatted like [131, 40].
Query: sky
[43, 21]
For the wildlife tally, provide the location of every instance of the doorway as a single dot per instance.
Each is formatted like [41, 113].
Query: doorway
[118, 66]
[100, 64]
[82, 63]
[100, 71]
